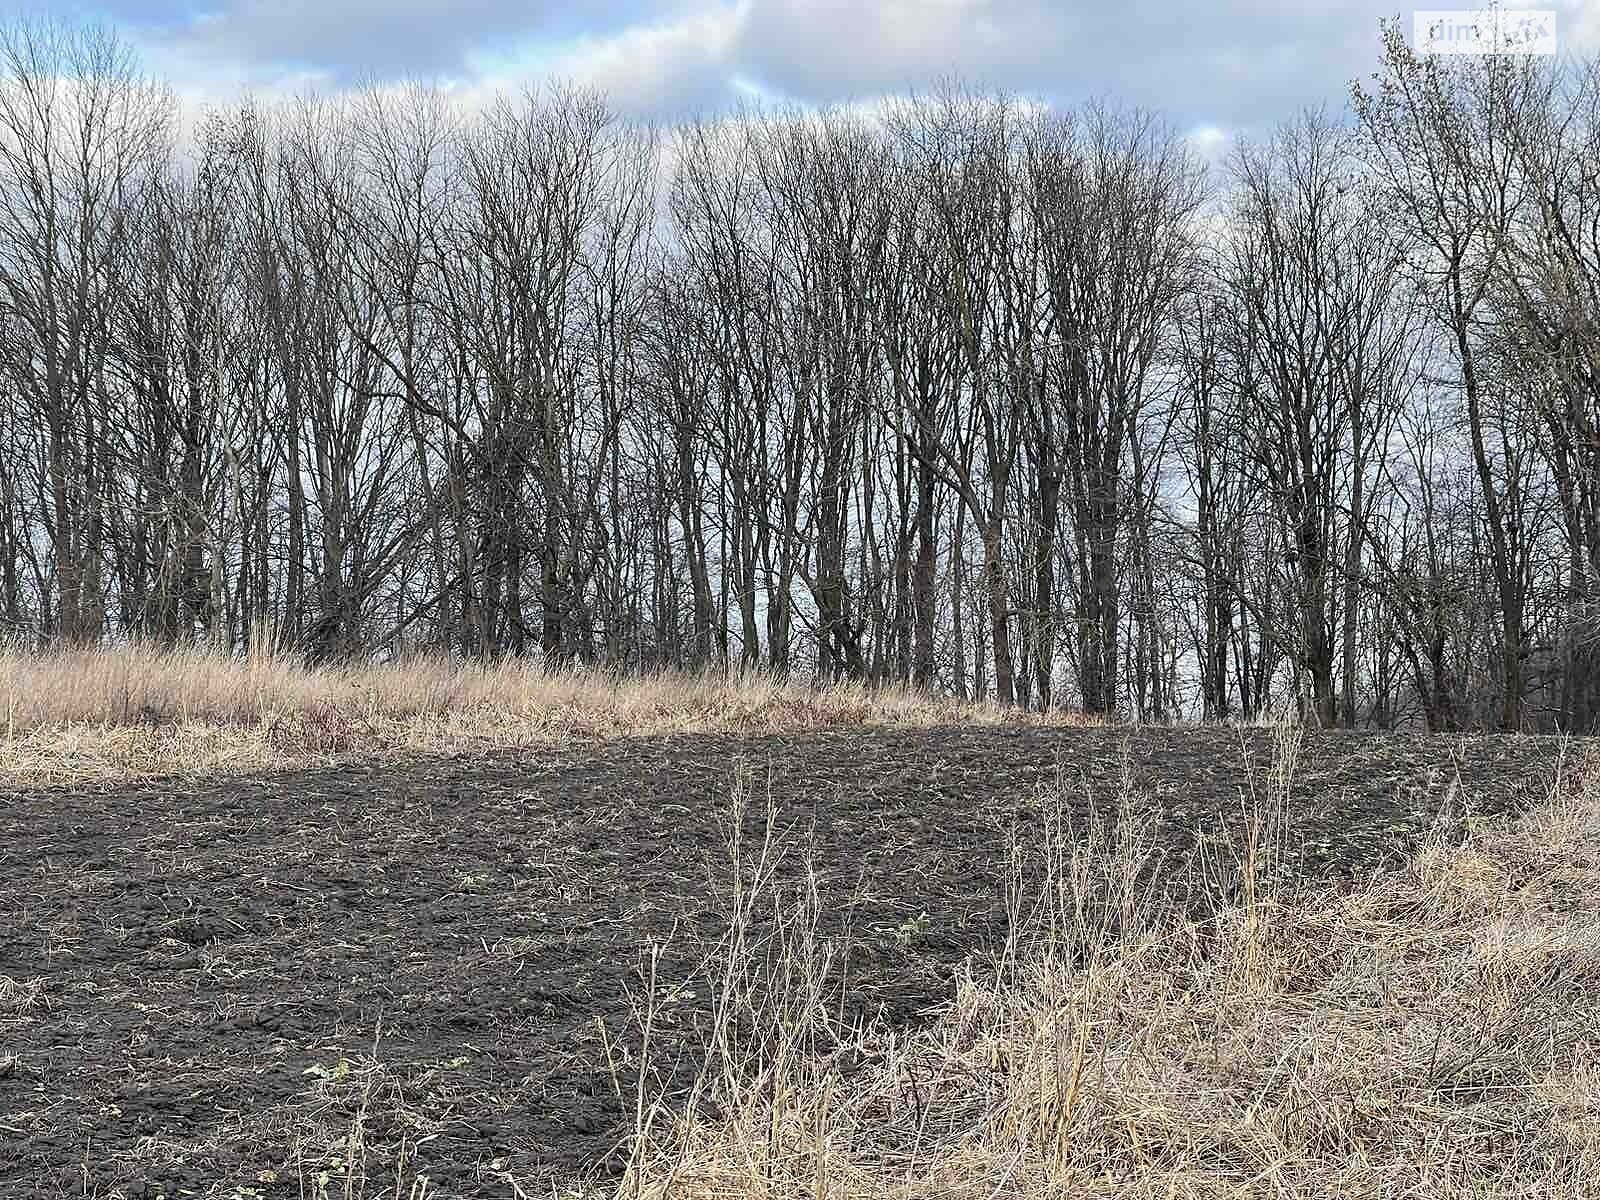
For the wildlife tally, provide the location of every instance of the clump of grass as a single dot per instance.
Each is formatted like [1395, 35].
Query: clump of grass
[19, 997]
[131, 711]
[1434, 1033]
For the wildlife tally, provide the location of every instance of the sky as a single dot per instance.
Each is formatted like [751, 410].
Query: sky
[1213, 69]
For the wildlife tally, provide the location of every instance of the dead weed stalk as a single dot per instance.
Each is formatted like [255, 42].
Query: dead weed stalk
[1433, 1033]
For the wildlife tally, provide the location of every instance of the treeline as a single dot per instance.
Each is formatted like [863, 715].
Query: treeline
[962, 392]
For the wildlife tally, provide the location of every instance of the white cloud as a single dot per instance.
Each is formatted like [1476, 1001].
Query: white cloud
[1231, 64]
[672, 68]
[1211, 143]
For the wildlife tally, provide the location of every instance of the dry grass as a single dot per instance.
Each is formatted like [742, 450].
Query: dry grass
[130, 712]
[1433, 1035]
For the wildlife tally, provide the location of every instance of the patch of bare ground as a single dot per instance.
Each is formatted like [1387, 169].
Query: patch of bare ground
[471, 975]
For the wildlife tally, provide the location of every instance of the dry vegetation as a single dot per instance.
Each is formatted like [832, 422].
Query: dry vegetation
[1433, 1034]
[1225, 1029]
[130, 712]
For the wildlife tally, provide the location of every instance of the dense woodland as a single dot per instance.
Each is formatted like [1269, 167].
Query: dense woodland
[960, 391]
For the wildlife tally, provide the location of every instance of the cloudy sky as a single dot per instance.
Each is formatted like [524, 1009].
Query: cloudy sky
[1228, 65]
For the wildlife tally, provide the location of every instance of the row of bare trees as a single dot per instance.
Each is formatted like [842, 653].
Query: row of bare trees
[966, 392]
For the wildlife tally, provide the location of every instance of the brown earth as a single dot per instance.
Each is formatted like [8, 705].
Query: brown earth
[204, 989]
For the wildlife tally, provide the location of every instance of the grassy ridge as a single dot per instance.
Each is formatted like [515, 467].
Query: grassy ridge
[129, 711]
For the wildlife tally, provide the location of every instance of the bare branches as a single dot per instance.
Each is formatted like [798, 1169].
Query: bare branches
[806, 390]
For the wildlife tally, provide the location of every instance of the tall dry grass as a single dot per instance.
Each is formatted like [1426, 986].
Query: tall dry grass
[1434, 1035]
[130, 711]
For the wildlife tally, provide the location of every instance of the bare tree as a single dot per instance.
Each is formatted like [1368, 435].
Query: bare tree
[79, 126]
[1440, 132]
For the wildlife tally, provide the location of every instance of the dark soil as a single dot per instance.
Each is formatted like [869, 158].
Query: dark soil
[203, 990]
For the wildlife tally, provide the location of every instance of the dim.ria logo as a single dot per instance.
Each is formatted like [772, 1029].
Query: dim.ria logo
[1485, 31]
